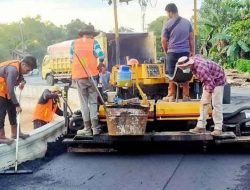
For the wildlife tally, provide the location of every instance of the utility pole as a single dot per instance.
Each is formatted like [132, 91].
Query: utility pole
[143, 5]
[117, 43]
[195, 25]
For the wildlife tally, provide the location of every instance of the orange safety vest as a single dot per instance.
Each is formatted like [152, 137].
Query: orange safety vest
[84, 48]
[45, 112]
[3, 86]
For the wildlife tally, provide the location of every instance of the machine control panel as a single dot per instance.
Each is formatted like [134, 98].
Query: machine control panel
[153, 71]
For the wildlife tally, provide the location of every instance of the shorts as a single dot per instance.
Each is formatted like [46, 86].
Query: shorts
[171, 61]
[7, 107]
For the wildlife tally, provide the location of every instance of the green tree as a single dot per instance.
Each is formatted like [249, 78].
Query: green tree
[218, 21]
[73, 27]
[156, 27]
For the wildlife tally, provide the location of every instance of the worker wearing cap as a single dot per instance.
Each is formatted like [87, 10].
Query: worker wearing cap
[177, 41]
[85, 50]
[48, 104]
[213, 78]
[11, 75]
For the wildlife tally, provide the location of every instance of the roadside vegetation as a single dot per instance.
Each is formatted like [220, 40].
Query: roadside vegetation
[223, 35]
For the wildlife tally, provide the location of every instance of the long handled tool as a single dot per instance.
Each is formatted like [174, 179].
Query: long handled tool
[11, 172]
[92, 80]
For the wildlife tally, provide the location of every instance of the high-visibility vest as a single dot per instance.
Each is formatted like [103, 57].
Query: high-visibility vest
[84, 48]
[3, 85]
[45, 112]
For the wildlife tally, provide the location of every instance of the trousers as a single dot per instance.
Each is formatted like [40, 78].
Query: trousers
[217, 102]
[88, 99]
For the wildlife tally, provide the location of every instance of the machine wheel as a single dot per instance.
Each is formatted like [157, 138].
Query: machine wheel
[227, 94]
[50, 80]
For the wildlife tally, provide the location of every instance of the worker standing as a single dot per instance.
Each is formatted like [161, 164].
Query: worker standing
[177, 41]
[87, 50]
[104, 77]
[48, 104]
[11, 75]
[213, 78]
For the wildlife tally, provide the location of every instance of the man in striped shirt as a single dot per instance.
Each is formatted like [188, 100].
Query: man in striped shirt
[213, 78]
[96, 50]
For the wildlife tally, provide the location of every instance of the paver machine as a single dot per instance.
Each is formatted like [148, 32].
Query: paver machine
[135, 112]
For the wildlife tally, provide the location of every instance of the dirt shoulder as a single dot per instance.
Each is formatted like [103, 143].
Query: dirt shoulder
[236, 78]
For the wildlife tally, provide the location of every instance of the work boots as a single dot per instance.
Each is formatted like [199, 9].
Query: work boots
[14, 133]
[96, 128]
[86, 130]
[197, 130]
[171, 92]
[4, 139]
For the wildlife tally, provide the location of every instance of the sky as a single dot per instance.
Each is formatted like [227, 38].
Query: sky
[97, 12]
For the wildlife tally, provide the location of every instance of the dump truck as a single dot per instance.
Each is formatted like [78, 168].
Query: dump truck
[56, 64]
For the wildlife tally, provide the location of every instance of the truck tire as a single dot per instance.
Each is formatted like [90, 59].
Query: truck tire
[227, 94]
[50, 80]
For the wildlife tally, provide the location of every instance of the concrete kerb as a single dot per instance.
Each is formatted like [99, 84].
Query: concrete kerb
[36, 145]
[33, 147]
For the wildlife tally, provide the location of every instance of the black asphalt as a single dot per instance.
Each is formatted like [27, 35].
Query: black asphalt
[171, 171]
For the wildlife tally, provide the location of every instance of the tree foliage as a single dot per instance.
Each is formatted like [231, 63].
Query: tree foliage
[156, 27]
[37, 35]
[224, 28]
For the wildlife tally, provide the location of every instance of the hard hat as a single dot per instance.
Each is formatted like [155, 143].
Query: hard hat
[133, 62]
[55, 88]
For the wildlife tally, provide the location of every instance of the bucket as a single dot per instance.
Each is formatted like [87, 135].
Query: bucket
[111, 96]
[126, 120]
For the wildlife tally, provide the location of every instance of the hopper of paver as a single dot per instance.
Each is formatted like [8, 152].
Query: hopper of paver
[126, 119]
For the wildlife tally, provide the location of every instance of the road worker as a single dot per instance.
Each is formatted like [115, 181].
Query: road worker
[104, 77]
[11, 75]
[48, 104]
[213, 78]
[177, 41]
[85, 50]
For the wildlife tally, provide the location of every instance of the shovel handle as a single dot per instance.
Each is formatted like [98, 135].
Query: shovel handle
[92, 80]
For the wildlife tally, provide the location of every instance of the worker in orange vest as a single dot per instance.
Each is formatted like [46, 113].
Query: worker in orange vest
[47, 106]
[11, 75]
[87, 50]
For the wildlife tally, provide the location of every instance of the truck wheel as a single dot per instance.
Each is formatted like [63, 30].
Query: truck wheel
[227, 94]
[50, 80]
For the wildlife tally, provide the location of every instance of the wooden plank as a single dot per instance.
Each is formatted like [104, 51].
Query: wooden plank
[181, 136]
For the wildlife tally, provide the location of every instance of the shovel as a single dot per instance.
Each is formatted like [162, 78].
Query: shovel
[92, 80]
[16, 171]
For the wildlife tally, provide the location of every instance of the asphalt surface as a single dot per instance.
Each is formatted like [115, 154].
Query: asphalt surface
[220, 168]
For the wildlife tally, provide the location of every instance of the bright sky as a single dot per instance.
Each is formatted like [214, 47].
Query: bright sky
[98, 12]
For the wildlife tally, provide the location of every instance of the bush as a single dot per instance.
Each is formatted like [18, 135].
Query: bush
[243, 65]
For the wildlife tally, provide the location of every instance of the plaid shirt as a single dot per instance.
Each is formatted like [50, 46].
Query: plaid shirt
[208, 72]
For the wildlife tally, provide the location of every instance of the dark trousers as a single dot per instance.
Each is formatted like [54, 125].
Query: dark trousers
[6, 106]
[171, 61]
[38, 123]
